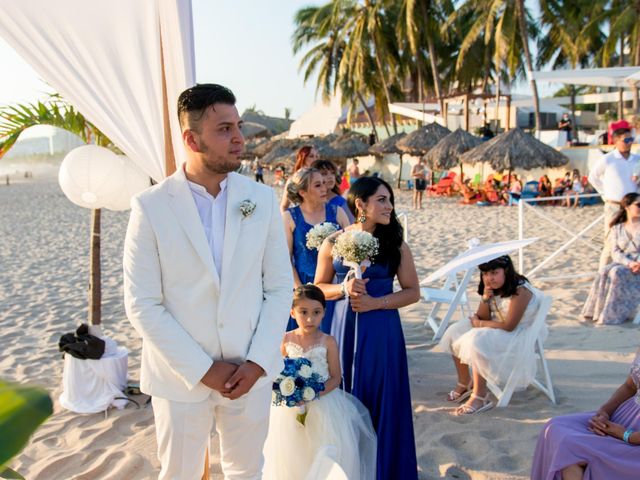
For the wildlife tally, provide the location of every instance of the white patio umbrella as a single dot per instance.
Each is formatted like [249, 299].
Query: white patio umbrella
[477, 255]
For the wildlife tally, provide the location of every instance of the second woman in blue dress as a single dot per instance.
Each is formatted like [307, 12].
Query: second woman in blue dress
[308, 191]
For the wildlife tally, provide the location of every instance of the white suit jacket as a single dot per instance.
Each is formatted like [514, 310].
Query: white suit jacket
[188, 316]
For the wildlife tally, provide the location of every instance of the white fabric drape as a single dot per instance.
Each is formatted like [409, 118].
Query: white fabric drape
[104, 58]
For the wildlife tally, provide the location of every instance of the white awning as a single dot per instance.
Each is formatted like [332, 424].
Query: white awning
[600, 77]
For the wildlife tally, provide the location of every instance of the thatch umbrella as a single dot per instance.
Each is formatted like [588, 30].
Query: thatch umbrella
[348, 145]
[387, 146]
[515, 149]
[253, 130]
[280, 154]
[446, 153]
[422, 140]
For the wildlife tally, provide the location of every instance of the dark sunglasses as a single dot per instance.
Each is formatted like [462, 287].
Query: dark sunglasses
[629, 140]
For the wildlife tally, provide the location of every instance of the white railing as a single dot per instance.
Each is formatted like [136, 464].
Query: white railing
[525, 203]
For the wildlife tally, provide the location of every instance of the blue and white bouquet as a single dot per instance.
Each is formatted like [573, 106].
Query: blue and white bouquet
[296, 385]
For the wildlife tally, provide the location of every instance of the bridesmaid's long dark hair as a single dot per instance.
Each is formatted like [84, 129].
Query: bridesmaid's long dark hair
[389, 236]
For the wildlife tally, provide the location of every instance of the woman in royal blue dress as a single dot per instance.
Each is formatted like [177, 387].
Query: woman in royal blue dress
[330, 176]
[306, 189]
[373, 352]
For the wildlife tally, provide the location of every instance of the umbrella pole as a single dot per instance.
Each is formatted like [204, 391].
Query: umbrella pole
[400, 172]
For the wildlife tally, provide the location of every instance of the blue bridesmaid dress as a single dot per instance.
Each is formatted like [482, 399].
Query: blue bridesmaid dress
[339, 201]
[380, 374]
[305, 260]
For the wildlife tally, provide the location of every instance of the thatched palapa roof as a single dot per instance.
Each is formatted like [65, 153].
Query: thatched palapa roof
[446, 153]
[347, 145]
[422, 140]
[515, 149]
[388, 145]
[253, 130]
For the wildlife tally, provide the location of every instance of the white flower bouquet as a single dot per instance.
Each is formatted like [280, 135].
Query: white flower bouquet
[355, 249]
[318, 233]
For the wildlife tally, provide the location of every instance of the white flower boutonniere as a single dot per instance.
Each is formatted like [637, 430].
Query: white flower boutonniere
[247, 207]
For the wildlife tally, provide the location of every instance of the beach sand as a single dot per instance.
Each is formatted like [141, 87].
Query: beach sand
[44, 248]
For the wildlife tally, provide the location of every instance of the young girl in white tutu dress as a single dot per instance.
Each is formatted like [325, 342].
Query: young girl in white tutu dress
[336, 425]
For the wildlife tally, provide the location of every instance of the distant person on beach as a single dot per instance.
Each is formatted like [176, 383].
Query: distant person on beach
[304, 158]
[615, 293]
[259, 171]
[604, 444]
[487, 343]
[354, 171]
[208, 286]
[486, 132]
[575, 190]
[612, 176]
[419, 176]
[544, 186]
[564, 125]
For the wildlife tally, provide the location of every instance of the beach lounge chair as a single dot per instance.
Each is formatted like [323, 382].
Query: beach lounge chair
[534, 343]
[445, 185]
[530, 190]
[476, 181]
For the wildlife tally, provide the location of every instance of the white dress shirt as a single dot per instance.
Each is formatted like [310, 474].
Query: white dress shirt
[213, 212]
[612, 175]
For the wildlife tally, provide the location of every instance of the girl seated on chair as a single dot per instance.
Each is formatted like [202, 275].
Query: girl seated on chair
[491, 341]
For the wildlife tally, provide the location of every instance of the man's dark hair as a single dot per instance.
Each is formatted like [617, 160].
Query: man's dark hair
[194, 101]
[618, 132]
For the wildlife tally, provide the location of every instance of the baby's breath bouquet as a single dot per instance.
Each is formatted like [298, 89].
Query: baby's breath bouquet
[318, 233]
[355, 249]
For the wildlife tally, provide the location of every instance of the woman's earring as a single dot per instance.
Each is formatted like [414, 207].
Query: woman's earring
[362, 218]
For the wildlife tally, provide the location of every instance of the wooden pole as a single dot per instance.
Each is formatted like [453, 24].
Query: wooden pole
[508, 112]
[466, 112]
[169, 157]
[95, 294]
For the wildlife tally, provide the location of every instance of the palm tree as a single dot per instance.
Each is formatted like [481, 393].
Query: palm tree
[371, 33]
[419, 25]
[322, 28]
[15, 119]
[509, 25]
[573, 38]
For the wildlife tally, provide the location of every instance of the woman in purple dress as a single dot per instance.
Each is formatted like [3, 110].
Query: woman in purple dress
[594, 446]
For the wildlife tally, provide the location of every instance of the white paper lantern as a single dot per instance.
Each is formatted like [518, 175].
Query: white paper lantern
[132, 182]
[95, 177]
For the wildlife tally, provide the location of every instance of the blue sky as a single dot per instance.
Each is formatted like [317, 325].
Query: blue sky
[243, 44]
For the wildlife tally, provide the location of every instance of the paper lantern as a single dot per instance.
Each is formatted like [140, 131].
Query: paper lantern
[95, 177]
[132, 181]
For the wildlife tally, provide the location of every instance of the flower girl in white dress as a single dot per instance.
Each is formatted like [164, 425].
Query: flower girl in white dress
[336, 424]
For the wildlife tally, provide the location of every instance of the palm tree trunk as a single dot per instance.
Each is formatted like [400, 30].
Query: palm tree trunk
[95, 294]
[527, 54]
[369, 116]
[497, 110]
[434, 71]
[573, 111]
[385, 87]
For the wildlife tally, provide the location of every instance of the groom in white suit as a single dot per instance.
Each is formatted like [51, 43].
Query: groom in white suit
[208, 286]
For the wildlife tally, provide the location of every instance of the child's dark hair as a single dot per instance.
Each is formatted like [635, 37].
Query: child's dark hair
[310, 292]
[512, 279]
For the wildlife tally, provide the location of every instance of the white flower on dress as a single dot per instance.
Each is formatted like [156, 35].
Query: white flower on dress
[305, 371]
[308, 394]
[287, 386]
[247, 207]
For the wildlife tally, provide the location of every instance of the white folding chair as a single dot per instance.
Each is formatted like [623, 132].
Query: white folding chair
[534, 342]
[452, 293]
[636, 320]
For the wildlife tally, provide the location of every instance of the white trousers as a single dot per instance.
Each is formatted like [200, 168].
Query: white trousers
[184, 430]
[610, 209]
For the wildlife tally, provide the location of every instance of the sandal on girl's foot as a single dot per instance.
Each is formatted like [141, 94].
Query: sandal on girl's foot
[457, 397]
[469, 409]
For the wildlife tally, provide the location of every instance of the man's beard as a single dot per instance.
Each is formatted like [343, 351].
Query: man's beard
[219, 164]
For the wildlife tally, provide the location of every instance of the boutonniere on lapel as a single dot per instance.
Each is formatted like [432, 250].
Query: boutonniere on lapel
[247, 207]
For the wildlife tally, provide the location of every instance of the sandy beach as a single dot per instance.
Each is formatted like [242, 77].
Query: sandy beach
[44, 248]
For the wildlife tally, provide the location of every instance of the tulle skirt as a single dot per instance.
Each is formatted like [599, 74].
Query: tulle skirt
[336, 420]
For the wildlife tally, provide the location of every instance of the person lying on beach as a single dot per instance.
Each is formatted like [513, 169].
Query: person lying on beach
[490, 340]
[594, 445]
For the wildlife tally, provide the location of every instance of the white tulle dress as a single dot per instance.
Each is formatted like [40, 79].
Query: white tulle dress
[337, 424]
[492, 351]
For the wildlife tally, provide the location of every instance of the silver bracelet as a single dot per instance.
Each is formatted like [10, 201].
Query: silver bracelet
[344, 289]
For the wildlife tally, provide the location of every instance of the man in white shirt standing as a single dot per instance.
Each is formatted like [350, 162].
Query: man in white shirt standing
[613, 176]
[208, 286]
